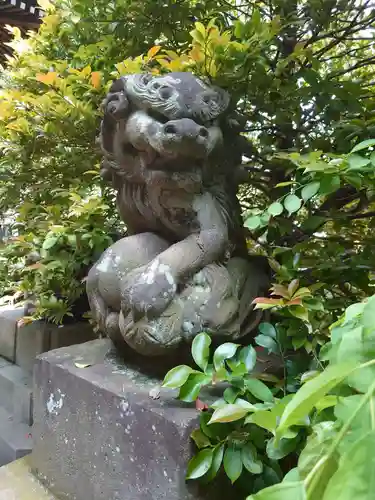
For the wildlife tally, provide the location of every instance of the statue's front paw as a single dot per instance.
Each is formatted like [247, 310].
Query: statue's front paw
[149, 290]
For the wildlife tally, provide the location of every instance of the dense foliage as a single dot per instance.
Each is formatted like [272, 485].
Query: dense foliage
[302, 79]
[315, 444]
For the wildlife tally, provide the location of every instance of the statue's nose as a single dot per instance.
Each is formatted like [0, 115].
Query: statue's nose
[185, 128]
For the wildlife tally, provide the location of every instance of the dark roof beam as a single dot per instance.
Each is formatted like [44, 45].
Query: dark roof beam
[16, 20]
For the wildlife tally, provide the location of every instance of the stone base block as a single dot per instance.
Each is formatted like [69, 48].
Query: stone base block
[99, 434]
[9, 316]
[15, 438]
[16, 392]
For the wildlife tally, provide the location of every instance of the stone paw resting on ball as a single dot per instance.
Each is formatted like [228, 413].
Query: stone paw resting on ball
[171, 153]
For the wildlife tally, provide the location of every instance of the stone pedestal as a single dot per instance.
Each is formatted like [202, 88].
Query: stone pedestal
[99, 434]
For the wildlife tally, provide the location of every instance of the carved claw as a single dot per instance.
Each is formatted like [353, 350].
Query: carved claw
[149, 290]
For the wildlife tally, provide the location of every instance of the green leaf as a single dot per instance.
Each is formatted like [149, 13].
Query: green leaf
[355, 477]
[310, 190]
[233, 463]
[282, 491]
[368, 319]
[329, 184]
[276, 450]
[292, 203]
[200, 439]
[200, 350]
[275, 209]
[268, 329]
[177, 376]
[191, 388]
[363, 145]
[230, 413]
[311, 392]
[267, 342]
[223, 352]
[50, 242]
[357, 162]
[265, 419]
[259, 390]
[249, 459]
[248, 357]
[230, 395]
[355, 179]
[326, 402]
[216, 461]
[364, 420]
[253, 222]
[200, 464]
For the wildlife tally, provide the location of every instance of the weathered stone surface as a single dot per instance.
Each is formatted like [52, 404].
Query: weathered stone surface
[66, 335]
[9, 315]
[185, 266]
[16, 392]
[18, 483]
[15, 438]
[99, 435]
[38, 337]
[32, 340]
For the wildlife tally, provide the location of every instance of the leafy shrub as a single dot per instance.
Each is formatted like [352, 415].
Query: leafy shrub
[259, 427]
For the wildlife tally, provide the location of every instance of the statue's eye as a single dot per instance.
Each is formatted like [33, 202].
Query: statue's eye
[165, 92]
[156, 85]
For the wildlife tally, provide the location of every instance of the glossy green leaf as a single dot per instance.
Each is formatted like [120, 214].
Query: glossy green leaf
[310, 190]
[265, 419]
[276, 450]
[200, 439]
[233, 463]
[249, 457]
[363, 145]
[267, 342]
[329, 184]
[223, 352]
[200, 350]
[355, 477]
[357, 162]
[292, 203]
[253, 222]
[248, 357]
[200, 464]
[311, 392]
[365, 418]
[259, 390]
[275, 209]
[191, 388]
[368, 319]
[230, 413]
[217, 460]
[268, 329]
[177, 376]
[50, 242]
[282, 491]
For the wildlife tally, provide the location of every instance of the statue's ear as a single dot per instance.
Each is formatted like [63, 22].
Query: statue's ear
[118, 85]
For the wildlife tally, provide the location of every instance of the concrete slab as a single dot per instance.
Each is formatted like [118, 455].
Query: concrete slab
[16, 392]
[15, 438]
[32, 340]
[9, 316]
[99, 434]
[18, 483]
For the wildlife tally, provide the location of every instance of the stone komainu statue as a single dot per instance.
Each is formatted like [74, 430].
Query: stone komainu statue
[171, 152]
